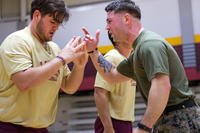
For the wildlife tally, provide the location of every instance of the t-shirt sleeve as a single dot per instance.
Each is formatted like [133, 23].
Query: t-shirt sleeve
[15, 55]
[100, 82]
[66, 71]
[126, 67]
[154, 58]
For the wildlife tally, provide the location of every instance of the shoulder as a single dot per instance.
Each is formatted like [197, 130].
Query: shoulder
[152, 41]
[113, 53]
[114, 56]
[54, 47]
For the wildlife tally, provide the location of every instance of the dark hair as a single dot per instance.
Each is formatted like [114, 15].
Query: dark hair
[124, 6]
[56, 8]
[111, 39]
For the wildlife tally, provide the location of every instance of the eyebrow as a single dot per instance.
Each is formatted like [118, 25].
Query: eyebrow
[56, 18]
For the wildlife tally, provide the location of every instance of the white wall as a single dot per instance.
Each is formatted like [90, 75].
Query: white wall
[92, 17]
[161, 16]
[196, 15]
[6, 28]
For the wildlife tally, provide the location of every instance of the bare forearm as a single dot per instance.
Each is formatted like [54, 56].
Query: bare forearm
[106, 69]
[157, 100]
[74, 80]
[35, 76]
[103, 66]
[155, 107]
[101, 101]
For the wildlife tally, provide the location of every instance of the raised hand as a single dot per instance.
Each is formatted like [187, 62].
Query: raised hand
[74, 48]
[91, 42]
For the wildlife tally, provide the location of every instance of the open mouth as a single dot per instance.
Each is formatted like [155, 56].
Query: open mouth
[51, 34]
[111, 34]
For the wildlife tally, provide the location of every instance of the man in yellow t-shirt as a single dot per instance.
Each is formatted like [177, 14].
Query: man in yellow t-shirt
[114, 102]
[33, 69]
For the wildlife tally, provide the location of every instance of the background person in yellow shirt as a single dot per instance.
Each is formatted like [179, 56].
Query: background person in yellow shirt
[115, 102]
[33, 69]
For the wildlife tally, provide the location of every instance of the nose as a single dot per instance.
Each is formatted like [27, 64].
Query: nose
[55, 26]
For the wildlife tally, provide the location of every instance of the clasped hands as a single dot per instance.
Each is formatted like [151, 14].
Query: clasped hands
[77, 48]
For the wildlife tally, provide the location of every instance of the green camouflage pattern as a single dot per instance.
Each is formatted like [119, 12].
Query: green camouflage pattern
[179, 121]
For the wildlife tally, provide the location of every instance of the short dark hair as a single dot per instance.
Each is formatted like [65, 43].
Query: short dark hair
[56, 8]
[124, 6]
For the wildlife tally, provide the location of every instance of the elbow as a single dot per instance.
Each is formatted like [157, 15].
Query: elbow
[20, 82]
[99, 92]
[70, 91]
[96, 93]
[169, 87]
[22, 87]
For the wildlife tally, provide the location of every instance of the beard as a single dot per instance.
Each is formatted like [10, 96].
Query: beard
[40, 28]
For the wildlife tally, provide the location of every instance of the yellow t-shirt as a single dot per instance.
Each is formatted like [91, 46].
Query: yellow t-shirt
[35, 107]
[121, 95]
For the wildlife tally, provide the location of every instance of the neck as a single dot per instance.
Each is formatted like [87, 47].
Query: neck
[135, 30]
[135, 36]
[125, 50]
[35, 34]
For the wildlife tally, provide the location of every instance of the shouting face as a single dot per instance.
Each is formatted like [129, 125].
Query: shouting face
[116, 26]
[46, 28]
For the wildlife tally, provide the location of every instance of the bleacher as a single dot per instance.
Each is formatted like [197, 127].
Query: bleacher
[77, 113]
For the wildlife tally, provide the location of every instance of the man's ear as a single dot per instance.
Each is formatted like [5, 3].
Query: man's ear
[126, 18]
[37, 15]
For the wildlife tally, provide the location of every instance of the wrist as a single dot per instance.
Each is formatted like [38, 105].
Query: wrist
[144, 127]
[61, 59]
[79, 67]
[92, 51]
[146, 121]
